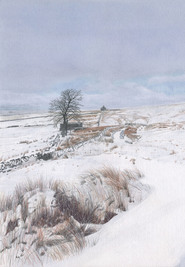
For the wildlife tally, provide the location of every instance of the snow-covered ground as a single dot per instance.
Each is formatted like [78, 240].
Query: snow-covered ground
[151, 233]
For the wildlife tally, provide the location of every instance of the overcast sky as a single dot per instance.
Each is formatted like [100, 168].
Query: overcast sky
[119, 53]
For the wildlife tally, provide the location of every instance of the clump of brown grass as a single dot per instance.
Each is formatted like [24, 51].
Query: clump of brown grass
[114, 178]
[76, 205]
[108, 140]
[46, 216]
[131, 132]
[59, 228]
[24, 209]
[11, 202]
[172, 152]
[112, 188]
[5, 203]
[72, 241]
[28, 186]
[113, 147]
[108, 133]
[58, 148]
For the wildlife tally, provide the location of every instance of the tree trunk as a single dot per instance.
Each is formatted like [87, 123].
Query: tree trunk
[65, 127]
[64, 130]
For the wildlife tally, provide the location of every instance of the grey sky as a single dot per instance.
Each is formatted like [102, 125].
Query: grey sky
[120, 53]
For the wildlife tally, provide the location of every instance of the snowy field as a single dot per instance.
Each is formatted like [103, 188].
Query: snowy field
[151, 231]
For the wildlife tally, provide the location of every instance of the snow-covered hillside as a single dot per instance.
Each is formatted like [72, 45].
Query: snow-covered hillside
[150, 139]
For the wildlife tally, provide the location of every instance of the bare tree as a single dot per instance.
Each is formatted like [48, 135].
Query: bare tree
[66, 107]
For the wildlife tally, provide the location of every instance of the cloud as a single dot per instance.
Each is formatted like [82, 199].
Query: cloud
[48, 45]
[128, 94]
[95, 94]
[166, 79]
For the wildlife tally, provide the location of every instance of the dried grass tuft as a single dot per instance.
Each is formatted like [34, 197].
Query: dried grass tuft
[5, 203]
[46, 217]
[60, 227]
[114, 147]
[114, 178]
[109, 140]
[108, 133]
